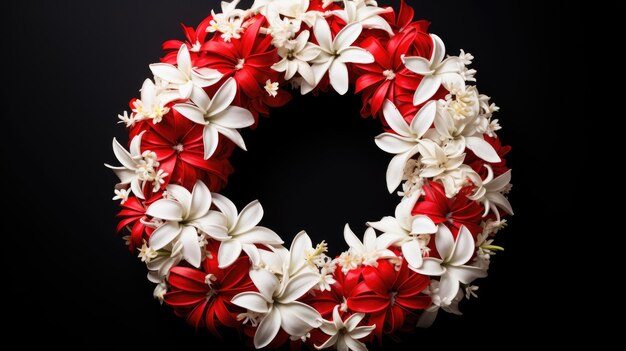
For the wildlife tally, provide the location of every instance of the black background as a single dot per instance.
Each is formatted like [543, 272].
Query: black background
[75, 65]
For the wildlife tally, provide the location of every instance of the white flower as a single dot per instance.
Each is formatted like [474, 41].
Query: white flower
[490, 194]
[184, 81]
[243, 232]
[326, 279]
[121, 194]
[295, 9]
[345, 334]
[358, 11]
[271, 88]
[492, 128]
[450, 305]
[303, 257]
[137, 167]
[184, 213]
[159, 267]
[436, 71]
[128, 121]
[404, 144]
[470, 291]
[218, 116]
[295, 58]
[435, 159]
[276, 300]
[159, 292]
[411, 233]
[146, 253]
[334, 55]
[452, 265]
[150, 106]
[370, 250]
[228, 22]
[282, 30]
[458, 134]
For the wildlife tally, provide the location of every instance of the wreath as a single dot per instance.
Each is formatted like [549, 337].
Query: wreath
[217, 267]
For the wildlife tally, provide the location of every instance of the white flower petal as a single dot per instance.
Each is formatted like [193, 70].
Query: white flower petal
[298, 286]
[252, 301]
[395, 170]
[361, 332]
[205, 77]
[166, 209]
[466, 274]
[353, 321]
[418, 65]
[210, 139]
[183, 60]
[393, 143]
[227, 207]
[191, 246]
[249, 217]
[347, 36]
[386, 225]
[338, 74]
[412, 253]
[351, 239]
[193, 113]
[500, 201]
[265, 281]
[355, 55]
[122, 155]
[482, 149]
[500, 182]
[426, 89]
[185, 90]
[431, 266]
[444, 242]
[164, 235]
[424, 119]
[233, 117]
[448, 286]
[231, 134]
[200, 201]
[298, 318]
[168, 73]
[322, 33]
[464, 247]
[395, 119]
[386, 240]
[228, 252]
[354, 345]
[268, 328]
[260, 235]
[423, 225]
[223, 97]
[329, 342]
[181, 194]
[439, 50]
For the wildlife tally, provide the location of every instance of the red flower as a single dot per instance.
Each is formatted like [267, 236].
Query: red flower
[248, 59]
[133, 211]
[453, 212]
[478, 163]
[389, 295]
[195, 39]
[177, 141]
[205, 304]
[383, 79]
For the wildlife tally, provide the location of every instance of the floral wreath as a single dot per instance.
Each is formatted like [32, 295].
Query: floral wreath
[218, 268]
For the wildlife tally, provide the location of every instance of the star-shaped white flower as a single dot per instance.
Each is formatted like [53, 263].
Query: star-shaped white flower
[371, 249]
[345, 334]
[243, 231]
[448, 304]
[218, 116]
[296, 57]
[435, 159]
[460, 134]
[184, 81]
[452, 266]
[276, 301]
[406, 230]
[436, 71]
[404, 144]
[334, 55]
[185, 213]
[150, 106]
[490, 194]
[137, 167]
[357, 11]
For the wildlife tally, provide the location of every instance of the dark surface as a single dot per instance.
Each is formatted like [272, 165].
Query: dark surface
[77, 63]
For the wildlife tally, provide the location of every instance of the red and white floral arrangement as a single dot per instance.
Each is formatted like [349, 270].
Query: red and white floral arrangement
[218, 268]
